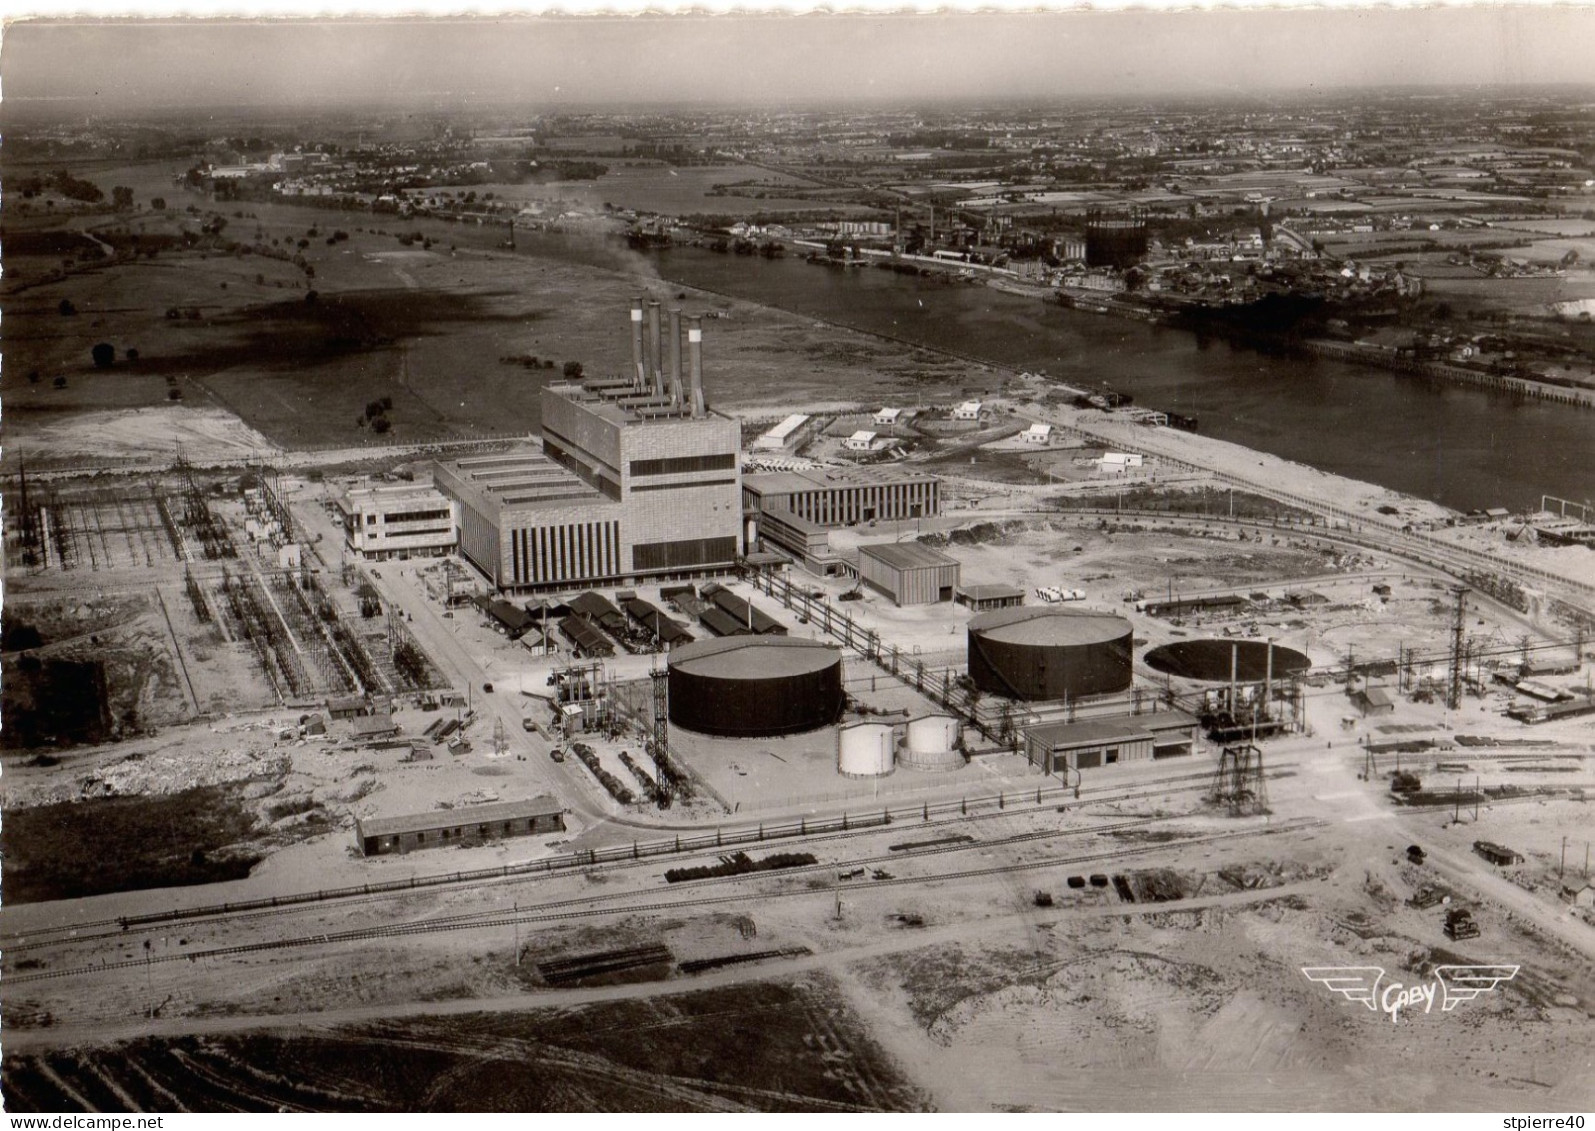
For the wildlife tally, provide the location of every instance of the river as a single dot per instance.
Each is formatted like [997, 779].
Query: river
[1459, 446]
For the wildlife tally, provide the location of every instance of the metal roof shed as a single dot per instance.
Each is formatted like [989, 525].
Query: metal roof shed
[909, 573]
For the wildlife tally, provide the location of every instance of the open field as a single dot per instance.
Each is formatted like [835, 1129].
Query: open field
[649, 186]
[1530, 295]
[70, 850]
[440, 330]
[813, 1054]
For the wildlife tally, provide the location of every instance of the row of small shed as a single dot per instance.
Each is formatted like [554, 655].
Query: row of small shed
[590, 622]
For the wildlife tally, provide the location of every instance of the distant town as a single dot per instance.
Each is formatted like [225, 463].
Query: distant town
[1433, 231]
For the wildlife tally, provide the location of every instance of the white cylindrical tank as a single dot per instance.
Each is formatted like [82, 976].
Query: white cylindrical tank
[932, 743]
[866, 750]
[932, 734]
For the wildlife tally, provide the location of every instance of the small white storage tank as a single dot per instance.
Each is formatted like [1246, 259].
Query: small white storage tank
[932, 743]
[866, 750]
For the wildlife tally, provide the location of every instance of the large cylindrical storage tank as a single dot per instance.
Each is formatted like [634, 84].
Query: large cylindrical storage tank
[931, 743]
[1049, 653]
[755, 686]
[866, 750]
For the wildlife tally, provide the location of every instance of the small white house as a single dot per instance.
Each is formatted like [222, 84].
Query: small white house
[969, 410]
[861, 441]
[886, 417]
[782, 435]
[1037, 434]
[1118, 463]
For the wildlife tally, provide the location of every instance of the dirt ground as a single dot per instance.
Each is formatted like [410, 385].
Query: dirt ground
[962, 991]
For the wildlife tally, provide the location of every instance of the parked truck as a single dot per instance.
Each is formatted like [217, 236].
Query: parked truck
[1459, 924]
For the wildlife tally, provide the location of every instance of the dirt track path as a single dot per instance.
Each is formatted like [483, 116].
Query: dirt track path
[21, 1040]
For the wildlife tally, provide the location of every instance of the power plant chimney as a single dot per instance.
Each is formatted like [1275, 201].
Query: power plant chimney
[638, 365]
[675, 356]
[695, 363]
[656, 359]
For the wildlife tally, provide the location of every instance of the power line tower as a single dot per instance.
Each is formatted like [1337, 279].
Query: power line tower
[1239, 781]
[1453, 695]
[659, 747]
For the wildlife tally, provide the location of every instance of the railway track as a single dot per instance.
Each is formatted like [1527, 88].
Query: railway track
[561, 910]
[874, 830]
[125, 926]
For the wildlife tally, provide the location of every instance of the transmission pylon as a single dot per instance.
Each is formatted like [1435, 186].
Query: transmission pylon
[659, 747]
[1453, 695]
[1239, 781]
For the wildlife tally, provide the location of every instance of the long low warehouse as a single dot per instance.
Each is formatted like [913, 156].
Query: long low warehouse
[472, 824]
[1090, 743]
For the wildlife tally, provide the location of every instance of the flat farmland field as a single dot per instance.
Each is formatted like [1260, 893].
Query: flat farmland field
[691, 1052]
[652, 187]
[1528, 295]
[445, 326]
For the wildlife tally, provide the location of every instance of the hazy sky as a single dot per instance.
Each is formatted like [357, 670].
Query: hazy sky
[136, 65]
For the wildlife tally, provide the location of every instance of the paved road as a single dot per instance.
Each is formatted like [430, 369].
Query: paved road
[402, 590]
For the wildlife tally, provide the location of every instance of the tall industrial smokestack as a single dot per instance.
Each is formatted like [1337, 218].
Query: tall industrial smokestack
[675, 356]
[695, 363]
[656, 359]
[638, 366]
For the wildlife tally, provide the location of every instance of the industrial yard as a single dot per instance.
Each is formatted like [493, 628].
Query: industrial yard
[892, 813]
[485, 630]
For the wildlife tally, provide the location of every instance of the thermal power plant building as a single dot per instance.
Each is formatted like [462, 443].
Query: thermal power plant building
[635, 478]
[755, 686]
[1049, 653]
[794, 509]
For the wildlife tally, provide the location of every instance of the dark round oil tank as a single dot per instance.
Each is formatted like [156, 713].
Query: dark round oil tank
[755, 686]
[1049, 653]
[1210, 660]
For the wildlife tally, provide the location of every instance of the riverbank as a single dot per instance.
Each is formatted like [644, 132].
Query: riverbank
[1098, 302]
[1361, 508]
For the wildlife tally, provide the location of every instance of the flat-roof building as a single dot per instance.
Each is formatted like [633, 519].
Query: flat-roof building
[984, 597]
[836, 496]
[794, 509]
[1090, 743]
[783, 435]
[402, 520]
[636, 478]
[908, 572]
[467, 824]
